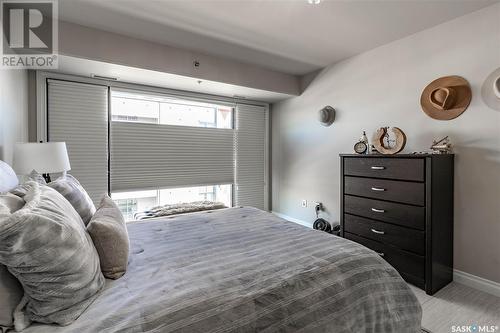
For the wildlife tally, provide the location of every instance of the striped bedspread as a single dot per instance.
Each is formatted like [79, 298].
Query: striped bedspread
[245, 270]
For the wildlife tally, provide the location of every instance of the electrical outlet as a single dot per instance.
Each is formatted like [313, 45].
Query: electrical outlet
[304, 204]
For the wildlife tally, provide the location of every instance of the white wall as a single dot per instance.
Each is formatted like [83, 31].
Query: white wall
[382, 87]
[94, 44]
[13, 110]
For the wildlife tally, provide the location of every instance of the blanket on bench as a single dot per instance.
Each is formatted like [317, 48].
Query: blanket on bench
[179, 208]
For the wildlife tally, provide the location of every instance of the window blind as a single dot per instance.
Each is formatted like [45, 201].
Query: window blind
[250, 155]
[150, 156]
[78, 115]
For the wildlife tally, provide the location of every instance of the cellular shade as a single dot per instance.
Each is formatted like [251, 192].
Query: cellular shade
[78, 114]
[250, 153]
[151, 156]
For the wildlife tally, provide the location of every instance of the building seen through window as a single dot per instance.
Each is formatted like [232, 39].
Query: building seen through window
[134, 202]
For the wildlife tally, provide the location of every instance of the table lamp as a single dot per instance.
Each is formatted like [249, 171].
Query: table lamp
[44, 158]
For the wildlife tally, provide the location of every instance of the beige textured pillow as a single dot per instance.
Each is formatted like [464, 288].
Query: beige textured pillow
[109, 233]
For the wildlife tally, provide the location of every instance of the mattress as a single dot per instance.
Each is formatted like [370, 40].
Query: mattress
[245, 270]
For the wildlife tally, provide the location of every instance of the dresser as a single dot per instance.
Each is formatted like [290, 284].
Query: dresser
[401, 206]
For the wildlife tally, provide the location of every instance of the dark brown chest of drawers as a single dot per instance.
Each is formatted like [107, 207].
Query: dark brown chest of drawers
[401, 206]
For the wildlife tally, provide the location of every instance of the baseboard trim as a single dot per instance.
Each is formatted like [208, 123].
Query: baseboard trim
[476, 282]
[292, 219]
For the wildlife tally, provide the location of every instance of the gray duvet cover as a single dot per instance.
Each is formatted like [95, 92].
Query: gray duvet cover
[245, 270]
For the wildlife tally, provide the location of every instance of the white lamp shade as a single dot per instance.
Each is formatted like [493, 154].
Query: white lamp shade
[46, 157]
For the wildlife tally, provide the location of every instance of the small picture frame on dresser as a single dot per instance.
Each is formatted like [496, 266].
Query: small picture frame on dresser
[401, 206]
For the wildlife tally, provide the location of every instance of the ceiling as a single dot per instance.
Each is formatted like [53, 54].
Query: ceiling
[290, 36]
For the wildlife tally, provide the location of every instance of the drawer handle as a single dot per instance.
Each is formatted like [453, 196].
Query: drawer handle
[378, 168]
[378, 232]
[378, 189]
[378, 210]
[381, 254]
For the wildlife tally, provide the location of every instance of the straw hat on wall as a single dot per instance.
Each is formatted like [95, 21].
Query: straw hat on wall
[446, 98]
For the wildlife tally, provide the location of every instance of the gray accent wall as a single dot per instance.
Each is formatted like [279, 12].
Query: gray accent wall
[382, 87]
[13, 110]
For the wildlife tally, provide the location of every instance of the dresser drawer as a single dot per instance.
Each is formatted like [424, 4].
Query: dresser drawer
[391, 168]
[404, 238]
[411, 266]
[393, 190]
[400, 214]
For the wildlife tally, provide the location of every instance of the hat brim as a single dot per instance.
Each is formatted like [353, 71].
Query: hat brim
[463, 93]
[487, 93]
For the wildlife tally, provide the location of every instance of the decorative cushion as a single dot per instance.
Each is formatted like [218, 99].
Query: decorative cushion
[45, 246]
[71, 189]
[35, 176]
[11, 293]
[10, 203]
[109, 233]
[11, 290]
[23, 188]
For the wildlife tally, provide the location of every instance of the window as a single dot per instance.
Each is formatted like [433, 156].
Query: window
[143, 108]
[125, 140]
[131, 203]
[128, 207]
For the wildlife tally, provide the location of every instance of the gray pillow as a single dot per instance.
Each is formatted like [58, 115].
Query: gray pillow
[11, 290]
[71, 189]
[21, 189]
[10, 203]
[11, 293]
[35, 176]
[109, 233]
[46, 247]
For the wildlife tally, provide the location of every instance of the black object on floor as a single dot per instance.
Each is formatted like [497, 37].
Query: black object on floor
[321, 224]
[336, 230]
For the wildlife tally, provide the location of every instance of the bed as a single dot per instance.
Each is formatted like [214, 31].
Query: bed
[245, 270]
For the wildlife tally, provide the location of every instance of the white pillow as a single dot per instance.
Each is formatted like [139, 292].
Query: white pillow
[8, 178]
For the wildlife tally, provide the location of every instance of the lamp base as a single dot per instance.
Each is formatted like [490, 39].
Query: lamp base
[46, 176]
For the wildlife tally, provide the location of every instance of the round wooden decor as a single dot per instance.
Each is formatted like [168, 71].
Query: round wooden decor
[383, 147]
[446, 98]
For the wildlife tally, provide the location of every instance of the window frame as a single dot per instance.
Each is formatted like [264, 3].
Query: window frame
[39, 130]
